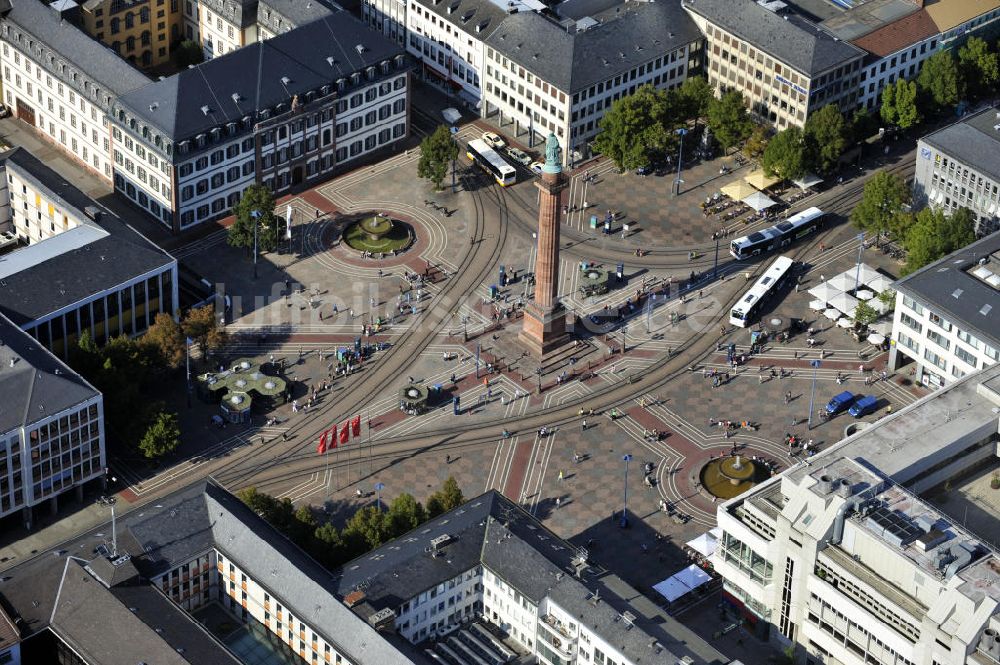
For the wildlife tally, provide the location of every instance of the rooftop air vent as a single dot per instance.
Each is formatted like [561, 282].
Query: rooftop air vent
[285, 80]
[154, 106]
[440, 541]
[330, 60]
[360, 48]
[236, 97]
[205, 110]
[957, 293]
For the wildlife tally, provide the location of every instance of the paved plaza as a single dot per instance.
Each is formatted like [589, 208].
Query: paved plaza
[648, 363]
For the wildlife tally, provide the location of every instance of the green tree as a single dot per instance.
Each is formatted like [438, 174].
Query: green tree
[451, 494]
[935, 234]
[259, 502]
[369, 525]
[863, 125]
[166, 340]
[888, 299]
[435, 506]
[757, 142]
[941, 80]
[405, 514]
[303, 528]
[188, 53]
[256, 209]
[826, 138]
[330, 549]
[785, 155]
[634, 126]
[899, 104]
[694, 97]
[437, 151]
[979, 64]
[200, 325]
[884, 195]
[162, 437]
[865, 314]
[728, 119]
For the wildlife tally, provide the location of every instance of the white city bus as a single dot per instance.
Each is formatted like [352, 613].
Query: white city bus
[490, 161]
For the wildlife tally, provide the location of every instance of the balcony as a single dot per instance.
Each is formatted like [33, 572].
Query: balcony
[557, 627]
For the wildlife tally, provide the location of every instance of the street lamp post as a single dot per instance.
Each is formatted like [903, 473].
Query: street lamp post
[812, 395]
[861, 249]
[680, 153]
[256, 219]
[110, 502]
[624, 339]
[538, 373]
[378, 495]
[623, 523]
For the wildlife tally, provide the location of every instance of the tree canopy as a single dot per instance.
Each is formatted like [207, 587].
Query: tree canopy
[899, 104]
[436, 154]
[201, 326]
[785, 155]
[162, 437]
[865, 314]
[728, 119]
[695, 95]
[635, 126]
[883, 197]
[256, 209]
[979, 66]
[941, 80]
[167, 339]
[757, 142]
[935, 234]
[826, 138]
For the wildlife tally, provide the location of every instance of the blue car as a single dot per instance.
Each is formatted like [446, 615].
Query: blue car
[863, 406]
[840, 402]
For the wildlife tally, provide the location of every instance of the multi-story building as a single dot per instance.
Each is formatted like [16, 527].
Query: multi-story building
[786, 66]
[223, 26]
[489, 565]
[57, 79]
[959, 167]
[895, 50]
[141, 31]
[78, 268]
[846, 554]
[275, 17]
[559, 75]
[51, 427]
[947, 317]
[283, 112]
[544, 70]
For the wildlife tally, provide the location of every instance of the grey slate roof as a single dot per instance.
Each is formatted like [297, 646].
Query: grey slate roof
[972, 141]
[206, 516]
[34, 384]
[77, 49]
[119, 255]
[294, 13]
[254, 72]
[493, 531]
[627, 35]
[125, 626]
[935, 284]
[802, 45]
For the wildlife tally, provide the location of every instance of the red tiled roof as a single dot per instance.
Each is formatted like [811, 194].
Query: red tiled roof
[898, 34]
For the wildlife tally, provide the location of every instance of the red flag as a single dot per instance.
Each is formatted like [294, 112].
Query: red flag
[356, 426]
[333, 436]
[321, 448]
[344, 433]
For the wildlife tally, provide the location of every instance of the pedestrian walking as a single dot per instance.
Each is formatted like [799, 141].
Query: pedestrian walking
[788, 397]
[584, 428]
[447, 459]
[561, 476]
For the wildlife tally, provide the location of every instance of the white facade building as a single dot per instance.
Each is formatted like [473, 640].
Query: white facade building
[947, 317]
[842, 556]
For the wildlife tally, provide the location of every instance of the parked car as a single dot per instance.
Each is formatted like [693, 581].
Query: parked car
[863, 406]
[494, 141]
[519, 156]
[840, 402]
[536, 167]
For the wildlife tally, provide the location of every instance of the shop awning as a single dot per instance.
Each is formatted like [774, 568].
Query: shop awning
[738, 190]
[759, 201]
[682, 583]
[807, 181]
[760, 180]
[705, 544]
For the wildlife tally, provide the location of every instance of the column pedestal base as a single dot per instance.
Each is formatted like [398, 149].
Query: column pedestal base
[544, 329]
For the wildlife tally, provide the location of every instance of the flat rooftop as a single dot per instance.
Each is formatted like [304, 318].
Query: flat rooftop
[866, 17]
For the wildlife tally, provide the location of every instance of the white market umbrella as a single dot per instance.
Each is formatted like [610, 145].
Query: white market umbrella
[879, 306]
[845, 281]
[824, 291]
[759, 201]
[817, 305]
[879, 284]
[845, 303]
[864, 294]
[844, 323]
[876, 339]
[868, 274]
[832, 314]
[882, 328]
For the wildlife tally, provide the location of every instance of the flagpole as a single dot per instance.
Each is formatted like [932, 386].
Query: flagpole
[370, 468]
